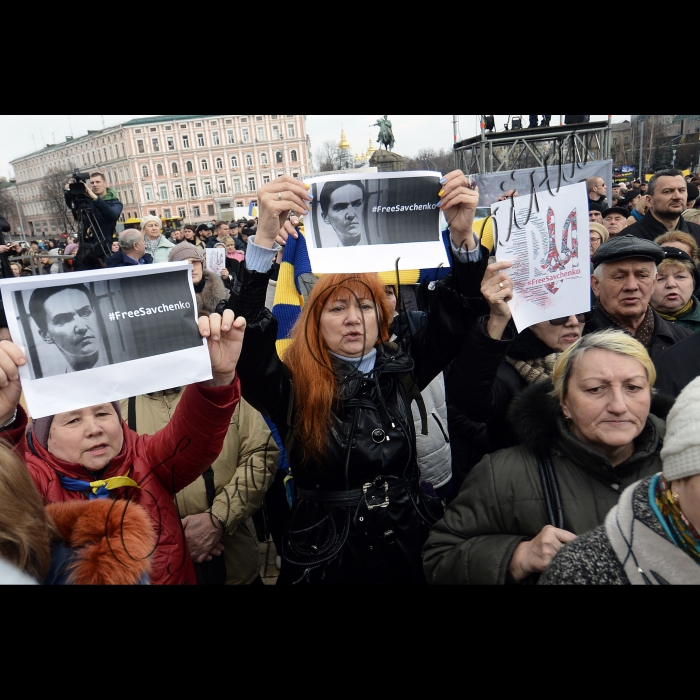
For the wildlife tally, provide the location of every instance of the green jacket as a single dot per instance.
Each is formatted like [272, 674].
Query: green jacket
[501, 502]
[691, 320]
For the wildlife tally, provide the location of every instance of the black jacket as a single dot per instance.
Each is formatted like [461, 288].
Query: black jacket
[664, 336]
[334, 535]
[678, 366]
[650, 228]
[105, 213]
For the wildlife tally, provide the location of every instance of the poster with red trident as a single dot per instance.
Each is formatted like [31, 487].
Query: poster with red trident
[545, 235]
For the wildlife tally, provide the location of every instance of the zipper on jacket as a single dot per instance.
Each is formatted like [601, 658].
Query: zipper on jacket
[437, 420]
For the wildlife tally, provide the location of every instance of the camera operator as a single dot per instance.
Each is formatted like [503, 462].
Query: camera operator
[5, 251]
[101, 221]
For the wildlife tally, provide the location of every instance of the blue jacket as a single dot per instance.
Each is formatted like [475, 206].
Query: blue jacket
[121, 259]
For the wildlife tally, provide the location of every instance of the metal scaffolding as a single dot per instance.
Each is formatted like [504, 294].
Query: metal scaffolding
[535, 147]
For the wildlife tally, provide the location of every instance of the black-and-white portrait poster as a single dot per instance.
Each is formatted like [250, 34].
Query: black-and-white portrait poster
[103, 335]
[365, 222]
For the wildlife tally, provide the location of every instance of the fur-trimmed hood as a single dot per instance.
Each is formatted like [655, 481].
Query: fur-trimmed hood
[539, 424]
[110, 542]
[214, 291]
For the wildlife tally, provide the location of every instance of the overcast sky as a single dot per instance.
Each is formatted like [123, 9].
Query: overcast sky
[23, 134]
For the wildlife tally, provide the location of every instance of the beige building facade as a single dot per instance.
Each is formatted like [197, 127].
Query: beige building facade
[197, 167]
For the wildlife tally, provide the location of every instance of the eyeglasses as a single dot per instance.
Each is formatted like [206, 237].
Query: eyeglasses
[581, 318]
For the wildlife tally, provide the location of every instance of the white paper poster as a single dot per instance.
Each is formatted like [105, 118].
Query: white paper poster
[546, 236]
[104, 335]
[216, 259]
[365, 222]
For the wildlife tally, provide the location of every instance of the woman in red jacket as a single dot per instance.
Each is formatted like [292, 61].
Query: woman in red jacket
[91, 453]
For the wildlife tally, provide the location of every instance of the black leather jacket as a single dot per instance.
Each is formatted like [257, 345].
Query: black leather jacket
[360, 515]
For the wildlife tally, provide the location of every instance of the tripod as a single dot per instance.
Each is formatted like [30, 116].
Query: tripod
[91, 238]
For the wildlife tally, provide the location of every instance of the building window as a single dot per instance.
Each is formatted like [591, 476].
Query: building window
[210, 210]
[219, 164]
[248, 159]
[207, 187]
[261, 133]
[140, 146]
[156, 145]
[222, 186]
[137, 131]
[178, 191]
[193, 189]
[615, 141]
[234, 162]
[174, 168]
[189, 167]
[627, 140]
[144, 170]
[290, 130]
[229, 121]
[152, 212]
[278, 156]
[198, 123]
[168, 128]
[230, 136]
[237, 185]
[275, 132]
[200, 140]
[153, 128]
[149, 193]
[195, 212]
[203, 164]
[244, 119]
[215, 138]
[159, 169]
[181, 212]
[263, 158]
[266, 179]
[246, 135]
[163, 192]
[183, 126]
[171, 143]
[258, 119]
[293, 156]
[251, 184]
[239, 204]
[166, 213]
[185, 141]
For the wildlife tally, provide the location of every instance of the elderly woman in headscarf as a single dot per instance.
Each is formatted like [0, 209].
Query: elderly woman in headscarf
[651, 536]
[209, 288]
[157, 245]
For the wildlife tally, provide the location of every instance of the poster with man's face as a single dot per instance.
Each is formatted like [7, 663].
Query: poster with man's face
[365, 222]
[98, 336]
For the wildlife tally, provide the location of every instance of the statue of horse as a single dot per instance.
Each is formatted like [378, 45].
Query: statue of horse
[386, 135]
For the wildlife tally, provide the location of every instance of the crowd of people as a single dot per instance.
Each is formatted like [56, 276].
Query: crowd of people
[383, 445]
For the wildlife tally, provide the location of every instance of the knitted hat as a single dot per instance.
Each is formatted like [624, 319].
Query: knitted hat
[681, 451]
[600, 230]
[41, 427]
[185, 251]
[148, 219]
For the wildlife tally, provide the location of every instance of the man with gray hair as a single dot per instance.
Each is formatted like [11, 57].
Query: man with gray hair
[132, 250]
[623, 281]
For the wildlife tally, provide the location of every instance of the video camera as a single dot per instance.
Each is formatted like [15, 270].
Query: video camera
[81, 200]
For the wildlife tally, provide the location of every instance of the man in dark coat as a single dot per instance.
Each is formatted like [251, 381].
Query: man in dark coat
[623, 281]
[102, 216]
[132, 250]
[667, 196]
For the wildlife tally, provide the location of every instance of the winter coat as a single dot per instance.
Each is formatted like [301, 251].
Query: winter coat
[105, 542]
[501, 502]
[678, 366]
[632, 547]
[650, 228]
[337, 531]
[691, 320]
[665, 334]
[162, 465]
[163, 250]
[212, 293]
[242, 473]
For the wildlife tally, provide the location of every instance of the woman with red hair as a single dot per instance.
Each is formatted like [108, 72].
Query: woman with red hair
[341, 399]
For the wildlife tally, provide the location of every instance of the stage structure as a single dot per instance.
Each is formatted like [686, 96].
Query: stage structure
[516, 149]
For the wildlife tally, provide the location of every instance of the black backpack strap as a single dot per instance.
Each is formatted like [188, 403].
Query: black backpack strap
[209, 486]
[131, 418]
